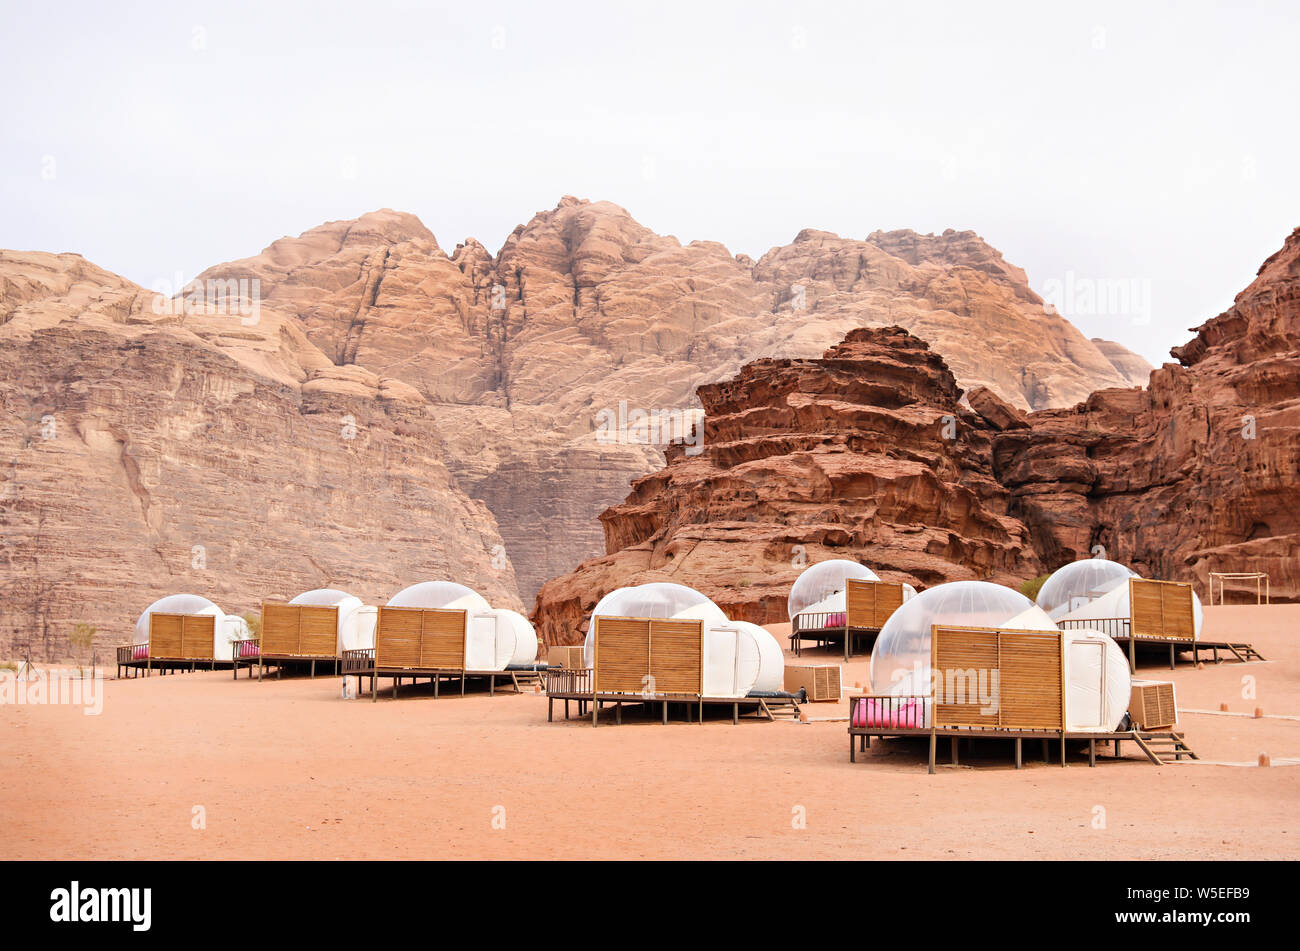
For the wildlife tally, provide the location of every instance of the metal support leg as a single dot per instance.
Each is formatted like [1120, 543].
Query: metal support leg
[933, 741]
[1018, 753]
[1092, 752]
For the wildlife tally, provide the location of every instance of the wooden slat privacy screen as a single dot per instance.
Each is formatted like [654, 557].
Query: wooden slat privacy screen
[181, 636]
[299, 630]
[1027, 693]
[870, 603]
[1161, 609]
[629, 650]
[420, 638]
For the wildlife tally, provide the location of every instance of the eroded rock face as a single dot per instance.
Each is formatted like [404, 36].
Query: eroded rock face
[583, 310]
[150, 454]
[844, 457]
[865, 453]
[1198, 472]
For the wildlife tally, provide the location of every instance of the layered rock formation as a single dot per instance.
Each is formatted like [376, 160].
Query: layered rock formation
[147, 454]
[584, 310]
[866, 453]
[1198, 472]
[843, 457]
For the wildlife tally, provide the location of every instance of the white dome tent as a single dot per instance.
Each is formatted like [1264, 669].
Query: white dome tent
[181, 632]
[356, 620]
[657, 599]
[441, 629]
[227, 628]
[1072, 586]
[496, 639]
[667, 643]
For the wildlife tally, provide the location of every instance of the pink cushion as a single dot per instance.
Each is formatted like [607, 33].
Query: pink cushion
[875, 712]
[140, 652]
[836, 620]
[248, 649]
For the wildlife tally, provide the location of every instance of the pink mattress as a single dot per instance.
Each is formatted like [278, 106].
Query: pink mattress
[140, 652]
[836, 620]
[248, 650]
[902, 713]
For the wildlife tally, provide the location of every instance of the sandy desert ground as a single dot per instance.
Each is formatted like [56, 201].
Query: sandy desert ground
[289, 769]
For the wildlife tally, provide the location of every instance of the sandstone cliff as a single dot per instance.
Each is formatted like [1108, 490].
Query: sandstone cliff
[583, 310]
[842, 457]
[147, 454]
[865, 453]
[1198, 472]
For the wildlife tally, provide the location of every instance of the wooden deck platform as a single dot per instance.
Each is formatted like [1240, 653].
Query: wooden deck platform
[574, 687]
[145, 666]
[361, 664]
[813, 628]
[1118, 629]
[1157, 746]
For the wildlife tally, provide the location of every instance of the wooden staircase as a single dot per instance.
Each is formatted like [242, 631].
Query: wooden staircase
[1160, 746]
[1244, 652]
[782, 709]
[526, 678]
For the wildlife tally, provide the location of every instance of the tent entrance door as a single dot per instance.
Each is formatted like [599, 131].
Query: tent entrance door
[481, 642]
[1087, 687]
[721, 653]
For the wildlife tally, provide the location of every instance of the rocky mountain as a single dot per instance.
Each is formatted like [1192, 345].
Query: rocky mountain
[872, 452]
[585, 315]
[1199, 471]
[147, 453]
[866, 451]
[497, 403]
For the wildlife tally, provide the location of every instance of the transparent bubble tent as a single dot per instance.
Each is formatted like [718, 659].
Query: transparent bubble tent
[1096, 673]
[821, 586]
[356, 624]
[227, 628]
[495, 638]
[1072, 586]
[739, 657]
[1116, 604]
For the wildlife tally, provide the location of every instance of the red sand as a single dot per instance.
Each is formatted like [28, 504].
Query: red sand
[289, 770]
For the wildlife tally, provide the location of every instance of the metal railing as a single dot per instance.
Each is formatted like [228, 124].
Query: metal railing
[566, 681]
[820, 621]
[1110, 626]
[904, 711]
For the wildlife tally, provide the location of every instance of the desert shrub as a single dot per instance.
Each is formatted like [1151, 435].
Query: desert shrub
[82, 638]
[1030, 588]
[254, 622]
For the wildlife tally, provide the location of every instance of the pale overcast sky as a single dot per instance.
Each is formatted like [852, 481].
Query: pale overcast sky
[1151, 146]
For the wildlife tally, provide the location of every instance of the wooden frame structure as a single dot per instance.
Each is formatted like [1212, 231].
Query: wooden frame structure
[1030, 702]
[647, 661]
[177, 642]
[1259, 577]
[293, 635]
[416, 643]
[1160, 612]
[867, 606]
